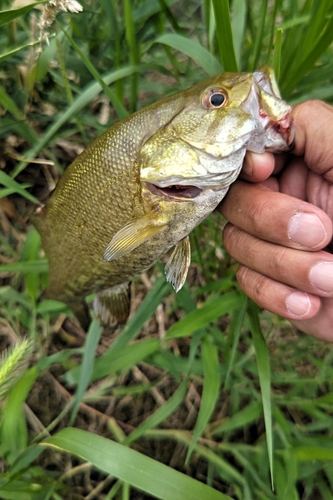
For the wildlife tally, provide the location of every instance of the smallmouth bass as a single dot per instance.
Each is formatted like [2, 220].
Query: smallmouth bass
[141, 187]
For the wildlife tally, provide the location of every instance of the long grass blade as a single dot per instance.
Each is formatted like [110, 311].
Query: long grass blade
[139, 471]
[210, 392]
[113, 362]
[17, 49]
[193, 50]
[118, 106]
[133, 50]
[238, 23]
[92, 340]
[236, 324]
[159, 415]
[202, 317]
[13, 429]
[224, 35]
[147, 307]
[276, 62]
[258, 42]
[6, 16]
[80, 102]
[10, 183]
[264, 373]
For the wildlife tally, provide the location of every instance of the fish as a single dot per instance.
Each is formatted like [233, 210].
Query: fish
[138, 190]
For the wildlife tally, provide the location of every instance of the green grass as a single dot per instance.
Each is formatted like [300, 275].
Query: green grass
[200, 395]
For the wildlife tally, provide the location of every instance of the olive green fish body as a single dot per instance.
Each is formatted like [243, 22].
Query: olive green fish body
[146, 183]
[97, 195]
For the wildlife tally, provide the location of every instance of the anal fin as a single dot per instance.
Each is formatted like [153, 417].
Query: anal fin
[177, 266]
[112, 306]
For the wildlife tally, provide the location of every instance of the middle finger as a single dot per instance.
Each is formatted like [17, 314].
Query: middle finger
[276, 217]
[308, 271]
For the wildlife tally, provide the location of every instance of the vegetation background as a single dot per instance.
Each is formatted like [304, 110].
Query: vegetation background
[200, 395]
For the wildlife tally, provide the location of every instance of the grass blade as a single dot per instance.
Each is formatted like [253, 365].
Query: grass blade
[264, 373]
[224, 35]
[238, 22]
[10, 183]
[193, 50]
[147, 307]
[81, 101]
[132, 467]
[234, 334]
[159, 415]
[120, 110]
[92, 340]
[13, 430]
[276, 62]
[6, 16]
[258, 43]
[200, 318]
[210, 392]
[112, 362]
[134, 51]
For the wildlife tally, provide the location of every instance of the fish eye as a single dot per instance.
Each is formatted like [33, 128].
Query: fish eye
[215, 98]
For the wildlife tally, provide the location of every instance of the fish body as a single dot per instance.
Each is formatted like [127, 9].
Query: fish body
[141, 187]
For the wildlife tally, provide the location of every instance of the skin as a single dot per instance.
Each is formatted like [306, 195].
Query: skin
[280, 225]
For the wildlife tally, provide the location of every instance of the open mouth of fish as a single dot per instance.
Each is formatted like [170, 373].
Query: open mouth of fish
[175, 191]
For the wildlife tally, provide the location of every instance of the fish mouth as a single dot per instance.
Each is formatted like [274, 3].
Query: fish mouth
[175, 191]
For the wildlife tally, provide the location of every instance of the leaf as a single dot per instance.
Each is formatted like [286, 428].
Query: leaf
[140, 471]
[276, 62]
[13, 431]
[210, 392]
[160, 415]
[193, 50]
[263, 365]
[240, 419]
[236, 324]
[31, 266]
[8, 182]
[258, 42]
[146, 309]
[202, 317]
[120, 110]
[6, 16]
[238, 24]
[80, 102]
[224, 35]
[92, 339]
[114, 361]
[310, 453]
[17, 49]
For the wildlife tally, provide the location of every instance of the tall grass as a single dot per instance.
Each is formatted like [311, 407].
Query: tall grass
[200, 395]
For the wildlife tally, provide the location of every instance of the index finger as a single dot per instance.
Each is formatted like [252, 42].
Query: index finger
[276, 217]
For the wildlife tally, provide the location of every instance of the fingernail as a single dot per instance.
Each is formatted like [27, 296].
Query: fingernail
[306, 230]
[321, 276]
[298, 303]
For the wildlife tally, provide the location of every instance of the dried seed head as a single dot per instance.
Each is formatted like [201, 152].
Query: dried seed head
[51, 9]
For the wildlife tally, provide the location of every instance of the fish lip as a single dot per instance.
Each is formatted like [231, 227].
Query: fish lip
[284, 128]
[175, 192]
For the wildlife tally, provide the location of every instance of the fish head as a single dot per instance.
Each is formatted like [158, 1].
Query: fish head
[203, 146]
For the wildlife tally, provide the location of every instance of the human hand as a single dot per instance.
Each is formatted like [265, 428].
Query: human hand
[280, 225]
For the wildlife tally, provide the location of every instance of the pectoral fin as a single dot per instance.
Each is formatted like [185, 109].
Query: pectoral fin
[112, 306]
[134, 234]
[177, 266]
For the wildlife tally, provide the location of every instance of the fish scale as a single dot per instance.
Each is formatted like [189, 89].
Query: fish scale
[147, 182]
